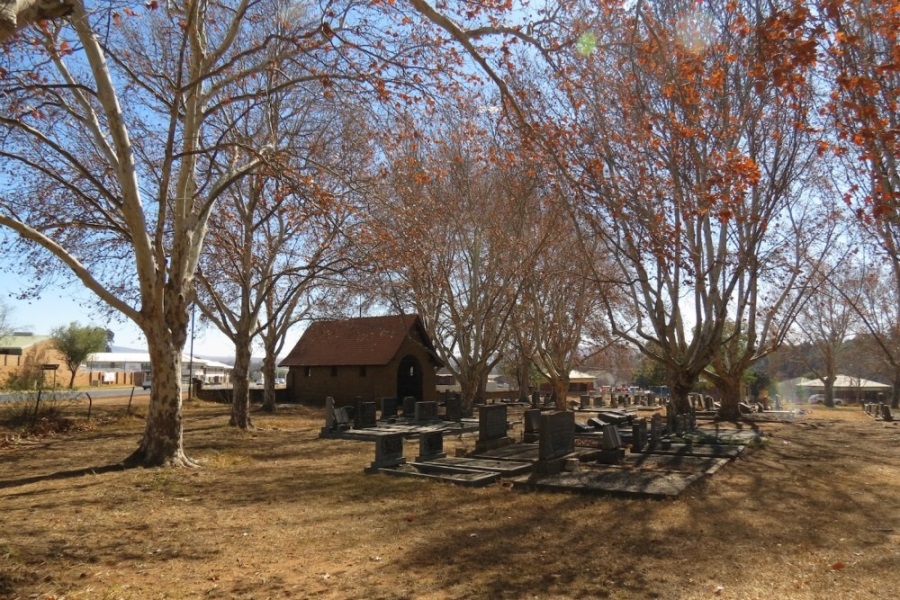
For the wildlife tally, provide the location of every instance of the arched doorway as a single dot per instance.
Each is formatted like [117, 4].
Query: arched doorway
[409, 378]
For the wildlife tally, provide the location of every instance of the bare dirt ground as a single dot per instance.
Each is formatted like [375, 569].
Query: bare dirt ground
[278, 513]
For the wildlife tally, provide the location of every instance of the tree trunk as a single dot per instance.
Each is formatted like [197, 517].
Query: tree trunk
[162, 444]
[680, 385]
[240, 385]
[829, 391]
[730, 387]
[561, 392]
[472, 390]
[523, 370]
[895, 400]
[269, 381]
[72, 378]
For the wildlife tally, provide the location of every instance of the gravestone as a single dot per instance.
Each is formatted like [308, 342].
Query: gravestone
[638, 435]
[612, 452]
[491, 422]
[426, 411]
[670, 416]
[388, 408]
[584, 402]
[655, 430]
[492, 428]
[366, 416]
[453, 408]
[431, 446]
[409, 406]
[557, 435]
[611, 438]
[886, 413]
[536, 399]
[531, 425]
[341, 418]
[329, 414]
[388, 452]
[680, 426]
[708, 404]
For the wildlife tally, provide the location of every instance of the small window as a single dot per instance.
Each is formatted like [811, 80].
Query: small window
[334, 371]
[307, 372]
[362, 371]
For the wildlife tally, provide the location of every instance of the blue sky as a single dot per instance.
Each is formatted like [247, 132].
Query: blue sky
[58, 306]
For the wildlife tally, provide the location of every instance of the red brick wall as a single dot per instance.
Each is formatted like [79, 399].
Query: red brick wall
[347, 385]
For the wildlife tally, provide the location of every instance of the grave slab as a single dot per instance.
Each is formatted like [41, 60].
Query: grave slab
[506, 468]
[456, 476]
[603, 481]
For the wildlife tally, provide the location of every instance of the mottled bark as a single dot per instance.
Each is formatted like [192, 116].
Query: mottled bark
[162, 444]
[680, 385]
[240, 380]
[269, 382]
[16, 14]
[561, 393]
[731, 398]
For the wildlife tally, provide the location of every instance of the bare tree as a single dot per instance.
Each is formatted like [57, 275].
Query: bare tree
[118, 122]
[687, 150]
[860, 43]
[6, 326]
[453, 230]
[560, 311]
[826, 322]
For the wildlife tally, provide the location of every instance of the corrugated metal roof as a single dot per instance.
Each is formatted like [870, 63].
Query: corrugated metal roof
[18, 341]
[364, 341]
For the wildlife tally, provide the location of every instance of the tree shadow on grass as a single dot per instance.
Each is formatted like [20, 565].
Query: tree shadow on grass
[62, 475]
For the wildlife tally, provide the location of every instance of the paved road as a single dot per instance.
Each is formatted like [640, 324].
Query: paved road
[96, 393]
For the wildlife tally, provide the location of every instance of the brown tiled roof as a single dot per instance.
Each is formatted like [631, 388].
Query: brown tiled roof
[363, 341]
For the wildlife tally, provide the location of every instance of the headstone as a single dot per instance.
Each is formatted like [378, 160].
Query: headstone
[531, 425]
[557, 435]
[680, 424]
[638, 435]
[708, 404]
[655, 430]
[329, 414]
[426, 411]
[535, 399]
[611, 438]
[599, 402]
[492, 428]
[366, 416]
[670, 416]
[431, 446]
[409, 406]
[341, 418]
[745, 408]
[491, 422]
[584, 402]
[388, 452]
[388, 408]
[453, 408]
[886, 413]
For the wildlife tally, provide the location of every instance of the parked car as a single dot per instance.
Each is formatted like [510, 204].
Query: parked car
[280, 381]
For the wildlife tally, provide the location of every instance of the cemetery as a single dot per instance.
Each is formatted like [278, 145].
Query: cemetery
[642, 449]
[800, 508]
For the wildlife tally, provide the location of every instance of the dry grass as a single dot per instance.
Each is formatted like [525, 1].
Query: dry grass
[279, 513]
